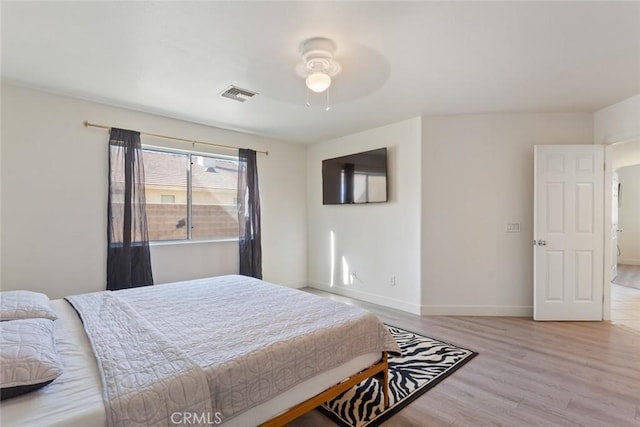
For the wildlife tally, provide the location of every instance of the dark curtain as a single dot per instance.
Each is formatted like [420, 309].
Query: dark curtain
[128, 257]
[249, 215]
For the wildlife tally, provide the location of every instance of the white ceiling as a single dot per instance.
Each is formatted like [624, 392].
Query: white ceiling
[400, 59]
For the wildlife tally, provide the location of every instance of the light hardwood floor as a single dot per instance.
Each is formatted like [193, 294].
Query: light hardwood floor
[526, 374]
[628, 275]
[625, 306]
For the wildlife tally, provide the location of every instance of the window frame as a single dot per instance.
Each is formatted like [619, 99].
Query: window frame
[189, 225]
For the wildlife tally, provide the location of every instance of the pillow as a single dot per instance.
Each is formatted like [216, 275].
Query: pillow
[25, 305]
[28, 356]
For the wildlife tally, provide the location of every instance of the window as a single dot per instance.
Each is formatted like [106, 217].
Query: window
[189, 196]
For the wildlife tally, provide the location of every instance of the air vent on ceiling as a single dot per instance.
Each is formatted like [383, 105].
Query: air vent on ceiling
[238, 94]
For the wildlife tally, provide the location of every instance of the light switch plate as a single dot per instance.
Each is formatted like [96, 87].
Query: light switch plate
[513, 227]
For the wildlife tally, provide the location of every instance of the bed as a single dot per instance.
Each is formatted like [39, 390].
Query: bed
[229, 350]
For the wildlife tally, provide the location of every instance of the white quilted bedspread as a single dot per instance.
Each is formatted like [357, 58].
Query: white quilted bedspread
[145, 378]
[244, 339]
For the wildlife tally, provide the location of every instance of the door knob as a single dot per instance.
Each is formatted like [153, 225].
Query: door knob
[542, 243]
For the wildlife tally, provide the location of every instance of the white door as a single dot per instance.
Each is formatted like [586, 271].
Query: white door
[615, 204]
[568, 232]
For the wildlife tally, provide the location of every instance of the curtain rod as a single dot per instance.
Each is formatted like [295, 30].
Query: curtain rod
[157, 135]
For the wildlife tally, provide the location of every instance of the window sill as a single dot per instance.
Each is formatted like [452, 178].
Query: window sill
[191, 242]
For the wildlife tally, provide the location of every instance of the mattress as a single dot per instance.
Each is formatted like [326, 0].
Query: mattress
[75, 398]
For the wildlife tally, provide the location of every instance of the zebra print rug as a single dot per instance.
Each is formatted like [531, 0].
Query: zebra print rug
[423, 364]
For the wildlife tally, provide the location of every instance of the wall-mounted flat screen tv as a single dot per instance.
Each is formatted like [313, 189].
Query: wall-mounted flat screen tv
[356, 178]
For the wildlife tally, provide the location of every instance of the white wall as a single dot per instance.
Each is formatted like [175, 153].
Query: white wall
[455, 182]
[377, 241]
[617, 122]
[625, 154]
[54, 190]
[629, 215]
[477, 176]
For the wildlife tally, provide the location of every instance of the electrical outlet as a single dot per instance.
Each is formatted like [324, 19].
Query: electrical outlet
[392, 281]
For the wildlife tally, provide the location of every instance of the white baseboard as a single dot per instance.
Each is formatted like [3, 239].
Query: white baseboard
[296, 285]
[427, 310]
[368, 297]
[629, 261]
[477, 310]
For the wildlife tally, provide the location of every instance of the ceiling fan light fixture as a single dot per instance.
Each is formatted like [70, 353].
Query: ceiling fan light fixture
[318, 66]
[318, 82]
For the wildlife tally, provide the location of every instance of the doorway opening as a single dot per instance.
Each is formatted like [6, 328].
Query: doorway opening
[625, 234]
